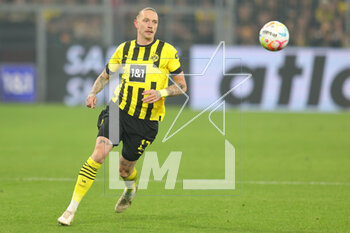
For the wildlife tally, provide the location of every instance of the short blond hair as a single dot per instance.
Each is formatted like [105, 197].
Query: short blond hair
[146, 9]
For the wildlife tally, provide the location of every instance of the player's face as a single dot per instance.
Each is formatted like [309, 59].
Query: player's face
[146, 24]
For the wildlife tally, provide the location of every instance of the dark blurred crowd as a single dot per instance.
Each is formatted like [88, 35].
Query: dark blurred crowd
[18, 29]
[182, 28]
[48, 2]
[310, 22]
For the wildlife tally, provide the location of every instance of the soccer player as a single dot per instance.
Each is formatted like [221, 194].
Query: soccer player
[146, 64]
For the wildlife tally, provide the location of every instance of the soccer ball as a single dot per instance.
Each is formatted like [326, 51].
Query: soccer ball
[274, 36]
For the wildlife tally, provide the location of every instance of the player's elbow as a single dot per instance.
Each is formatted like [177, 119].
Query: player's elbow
[105, 75]
[184, 88]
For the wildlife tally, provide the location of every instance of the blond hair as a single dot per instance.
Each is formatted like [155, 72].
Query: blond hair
[146, 9]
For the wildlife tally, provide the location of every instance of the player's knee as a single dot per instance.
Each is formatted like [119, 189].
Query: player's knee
[124, 172]
[99, 155]
[101, 152]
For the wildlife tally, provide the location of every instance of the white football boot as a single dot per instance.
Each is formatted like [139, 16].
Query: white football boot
[125, 200]
[66, 218]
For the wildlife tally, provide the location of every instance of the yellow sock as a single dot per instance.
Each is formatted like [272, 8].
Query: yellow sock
[86, 177]
[130, 181]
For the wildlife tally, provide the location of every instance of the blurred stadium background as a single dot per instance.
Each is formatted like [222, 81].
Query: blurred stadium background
[292, 169]
[49, 35]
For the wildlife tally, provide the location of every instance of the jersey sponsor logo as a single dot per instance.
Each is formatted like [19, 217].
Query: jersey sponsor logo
[137, 73]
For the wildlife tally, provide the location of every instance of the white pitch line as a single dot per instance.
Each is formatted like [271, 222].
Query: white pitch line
[295, 183]
[33, 179]
[62, 179]
[47, 179]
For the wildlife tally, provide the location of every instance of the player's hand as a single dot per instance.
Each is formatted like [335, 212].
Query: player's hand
[151, 96]
[91, 101]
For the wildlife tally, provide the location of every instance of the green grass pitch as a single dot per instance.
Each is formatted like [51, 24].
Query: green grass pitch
[292, 174]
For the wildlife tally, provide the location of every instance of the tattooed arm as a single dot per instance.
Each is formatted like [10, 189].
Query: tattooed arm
[99, 84]
[178, 88]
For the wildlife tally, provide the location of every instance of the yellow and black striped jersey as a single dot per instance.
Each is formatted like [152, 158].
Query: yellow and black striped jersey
[144, 68]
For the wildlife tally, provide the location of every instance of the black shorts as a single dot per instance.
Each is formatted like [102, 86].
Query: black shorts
[135, 133]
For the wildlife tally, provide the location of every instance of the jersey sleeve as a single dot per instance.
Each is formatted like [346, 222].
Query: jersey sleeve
[174, 65]
[116, 60]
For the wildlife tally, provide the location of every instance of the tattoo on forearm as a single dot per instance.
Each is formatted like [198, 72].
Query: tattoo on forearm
[100, 83]
[175, 89]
